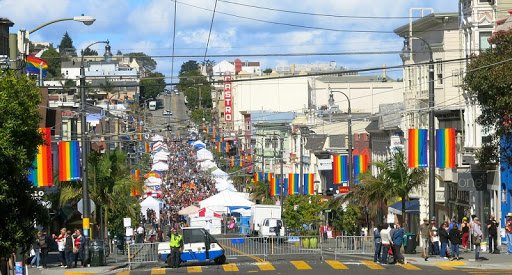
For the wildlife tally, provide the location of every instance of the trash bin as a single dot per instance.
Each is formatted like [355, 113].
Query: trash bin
[97, 253]
[410, 243]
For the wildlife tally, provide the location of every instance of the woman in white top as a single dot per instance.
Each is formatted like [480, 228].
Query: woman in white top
[477, 237]
[386, 242]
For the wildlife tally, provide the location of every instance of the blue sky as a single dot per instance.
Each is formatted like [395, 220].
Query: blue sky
[147, 26]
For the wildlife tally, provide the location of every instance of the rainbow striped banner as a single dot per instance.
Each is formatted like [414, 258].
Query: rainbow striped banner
[41, 173]
[134, 191]
[293, 184]
[69, 160]
[269, 176]
[339, 169]
[445, 148]
[417, 148]
[227, 147]
[360, 166]
[274, 186]
[309, 184]
[258, 177]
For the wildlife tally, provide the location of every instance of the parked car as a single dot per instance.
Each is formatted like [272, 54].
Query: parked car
[167, 113]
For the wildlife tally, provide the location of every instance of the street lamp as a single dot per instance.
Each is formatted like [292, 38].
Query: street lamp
[349, 130]
[406, 54]
[85, 186]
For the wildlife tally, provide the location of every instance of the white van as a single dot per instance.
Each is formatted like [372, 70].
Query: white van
[269, 226]
[152, 105]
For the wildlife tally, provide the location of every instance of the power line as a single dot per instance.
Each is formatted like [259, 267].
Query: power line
[210, 32]
[173, 38]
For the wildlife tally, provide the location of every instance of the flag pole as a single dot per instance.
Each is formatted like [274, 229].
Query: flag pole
[40, 74]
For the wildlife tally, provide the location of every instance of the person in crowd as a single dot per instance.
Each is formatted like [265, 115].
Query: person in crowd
[443, 238]
[176, 245]
[391, 245]
[61, 242]
[508, 233]
[68, 249]
[477, 237]
[386, 242]
[377, 240]
[140, 234]
[492, 229]
[398, 239]
[455, 237]
[424, 237]
[44, 243]
[37, 251]
[465, 228]
[434, 238]
[78, 247]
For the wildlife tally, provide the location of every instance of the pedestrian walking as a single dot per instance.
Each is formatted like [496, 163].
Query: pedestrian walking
[68, 249]
[377, 240]
[477, 237]
[425, 238]
[37, 251]
[508, 233]
[434, 238]
[465, 228]
[386, 242]
[176, 245]
[61, 242]
[78, 248]
[455, 237]
[44, 245]
[492, 229]
[398, 240]
[443, 238]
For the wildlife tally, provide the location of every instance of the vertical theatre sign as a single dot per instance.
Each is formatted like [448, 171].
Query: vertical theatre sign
[228, 99]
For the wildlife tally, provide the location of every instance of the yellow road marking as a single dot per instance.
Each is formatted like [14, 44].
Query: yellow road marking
[409, 266]
[78, 273]
[230, 268]
[336, 264]
[450, 265]
[194, 269]
[126, 272]
[265, 266]
[157, 271]
[300, 265]
[257, 259]
[372, 265]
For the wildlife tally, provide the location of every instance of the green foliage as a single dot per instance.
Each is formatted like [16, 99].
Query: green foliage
[195, 86]
[19, 138]
[145, 61]
[66, 46]
[267, 71]
[349, 220]
[153, 85]
[89, 52]
[53, 58]
[489, 80]
[261, 191]
[197, 115]
[300, 210]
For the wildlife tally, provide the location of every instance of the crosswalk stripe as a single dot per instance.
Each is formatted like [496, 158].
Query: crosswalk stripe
[300, 265]
[450, 265]
[265, 266]
[409, 266]
[372, 265]
[194, 269]
[230, 268]
[336, 264]
[157, 271]
[78, 273]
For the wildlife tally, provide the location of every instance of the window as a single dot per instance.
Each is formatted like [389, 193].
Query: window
[484, 44]
[439, 71]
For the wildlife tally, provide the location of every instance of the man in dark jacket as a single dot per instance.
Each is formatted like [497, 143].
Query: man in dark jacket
[492, 227]
[398, 239]
[443, 238]
[44, 242]
[68, 249]
[455, 237]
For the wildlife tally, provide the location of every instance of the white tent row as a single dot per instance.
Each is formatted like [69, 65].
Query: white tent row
[160, 166]
[151, 203]
[226, 199]
[152, 181]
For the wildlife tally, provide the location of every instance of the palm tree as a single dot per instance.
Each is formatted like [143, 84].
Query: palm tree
[261, 191]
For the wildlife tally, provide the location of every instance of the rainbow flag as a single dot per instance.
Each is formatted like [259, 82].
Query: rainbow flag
[33, 64]
[360, 166]
[217, 147]
[274, 186]
[445, 148]
[417, 148]
[146, 147]
[309, 184]
[232, 161]
[258, 177]
[227, 147]
[339, 169]
[41, 174]
[269, 177]
[134, 191]
[69, 160]
[285, 186]
[293, 184]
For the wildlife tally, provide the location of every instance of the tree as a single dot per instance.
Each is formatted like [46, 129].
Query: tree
[195, 86]
[267, 71]
[89, 52]
[302, 213]
[488, 81]
[66, 47]
[19, 138]
[53, 58]
[151, 86]
[145, 61]
[261, 191]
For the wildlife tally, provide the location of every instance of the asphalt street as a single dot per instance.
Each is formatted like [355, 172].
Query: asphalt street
[178, 121]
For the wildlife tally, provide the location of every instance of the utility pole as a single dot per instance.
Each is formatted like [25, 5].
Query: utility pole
[301, 166]
[281, 179]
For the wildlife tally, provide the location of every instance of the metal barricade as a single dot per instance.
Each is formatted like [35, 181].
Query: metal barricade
[354, 245]
[244, 246]
[142, 253]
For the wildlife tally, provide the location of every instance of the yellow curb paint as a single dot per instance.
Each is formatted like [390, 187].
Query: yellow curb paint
[450, 265]
[194, 269]
[126, 272]
[301, 265]
[157, 271]
[78, 273]
[230, 268]
[409, 267]
[336, 264]
[372, 265]
[265, 266]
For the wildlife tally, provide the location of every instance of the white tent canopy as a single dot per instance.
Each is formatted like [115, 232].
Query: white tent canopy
[226, 198]
[160, 166]
[151, 181]
[151, 203]
[192, 209]
[161, 156]
[157, 138]
[204, 154]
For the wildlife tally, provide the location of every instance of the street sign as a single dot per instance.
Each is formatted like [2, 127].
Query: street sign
[80, 206]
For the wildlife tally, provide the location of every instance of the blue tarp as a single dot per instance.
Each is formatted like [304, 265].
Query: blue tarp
[411, 207]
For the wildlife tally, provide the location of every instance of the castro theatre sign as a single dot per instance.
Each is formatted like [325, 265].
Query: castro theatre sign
[228, 99]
